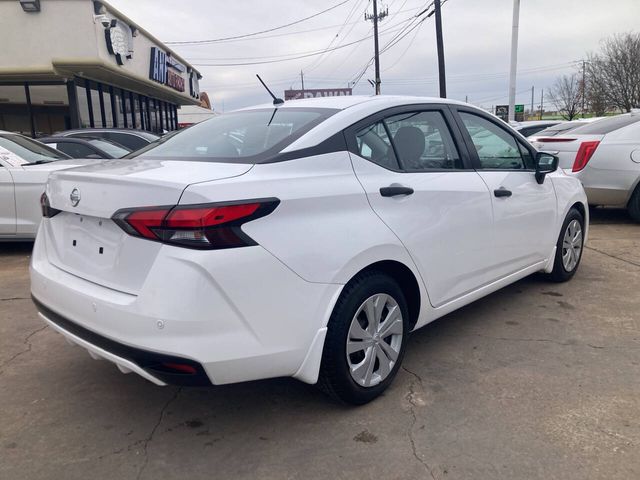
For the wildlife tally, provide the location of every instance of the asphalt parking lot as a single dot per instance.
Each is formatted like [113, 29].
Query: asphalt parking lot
[538, 380]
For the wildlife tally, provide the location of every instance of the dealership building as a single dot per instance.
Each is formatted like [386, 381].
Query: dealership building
[82, 63]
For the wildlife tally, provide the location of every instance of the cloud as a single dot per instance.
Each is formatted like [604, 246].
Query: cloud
[477, 34]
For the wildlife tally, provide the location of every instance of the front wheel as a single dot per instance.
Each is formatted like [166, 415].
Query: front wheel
[569, 247]
[366, 339]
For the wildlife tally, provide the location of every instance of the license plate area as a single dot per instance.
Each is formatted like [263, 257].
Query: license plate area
[87, 244]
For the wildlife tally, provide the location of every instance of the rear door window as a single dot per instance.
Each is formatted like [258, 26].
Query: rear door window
[374, 145]
[423, 141]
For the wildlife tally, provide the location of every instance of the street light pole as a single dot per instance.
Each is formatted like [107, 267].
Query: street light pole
[514, 59]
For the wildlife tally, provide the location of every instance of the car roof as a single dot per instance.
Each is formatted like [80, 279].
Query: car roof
[343, 102]
[130, 131]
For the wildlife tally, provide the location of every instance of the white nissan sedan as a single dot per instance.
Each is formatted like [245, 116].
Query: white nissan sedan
[304, 240]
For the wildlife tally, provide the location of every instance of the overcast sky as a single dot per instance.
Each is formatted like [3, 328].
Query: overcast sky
[477, 36]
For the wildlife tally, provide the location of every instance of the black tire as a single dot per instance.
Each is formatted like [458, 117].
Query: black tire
[335, 378]
[633, 207]
[560, 273]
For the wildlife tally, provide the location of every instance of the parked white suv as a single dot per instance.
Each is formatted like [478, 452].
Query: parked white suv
[305, 240]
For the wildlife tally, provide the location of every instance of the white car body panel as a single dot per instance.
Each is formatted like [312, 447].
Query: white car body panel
[262, 311]
[20, 191]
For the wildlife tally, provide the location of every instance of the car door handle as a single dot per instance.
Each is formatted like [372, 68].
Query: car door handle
[394, 190]
[502, 192]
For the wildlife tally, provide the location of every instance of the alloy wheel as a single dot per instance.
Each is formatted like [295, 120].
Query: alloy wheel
[374, 340]
[572, 245]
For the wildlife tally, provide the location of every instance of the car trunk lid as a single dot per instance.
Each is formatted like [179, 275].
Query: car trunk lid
[83, 239]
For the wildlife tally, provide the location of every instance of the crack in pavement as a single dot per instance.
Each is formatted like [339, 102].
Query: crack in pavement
[26, 342]
[13, 298]
[149, 438]
[545, 340]
[415, 419]
[613, 256]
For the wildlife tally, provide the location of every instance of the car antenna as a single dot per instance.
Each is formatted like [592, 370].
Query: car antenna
[276, 101]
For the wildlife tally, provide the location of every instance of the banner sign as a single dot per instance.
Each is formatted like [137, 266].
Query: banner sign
[318, 92]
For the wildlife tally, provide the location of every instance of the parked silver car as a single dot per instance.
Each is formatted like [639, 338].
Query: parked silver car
[605, 156]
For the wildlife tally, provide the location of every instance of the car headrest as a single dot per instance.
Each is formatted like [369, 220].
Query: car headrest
[410, 143]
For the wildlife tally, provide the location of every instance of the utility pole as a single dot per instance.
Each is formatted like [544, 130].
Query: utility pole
[376, 18]
[532, 107]
[440, 45]
[514, 60]
[541, 103]
[302, 80]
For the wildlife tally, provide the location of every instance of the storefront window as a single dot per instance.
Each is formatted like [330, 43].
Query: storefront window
[83, 106]
[108, 112]
[95, 104]
[126, 111]
[50, 107]
[14, 116]
[117, 102]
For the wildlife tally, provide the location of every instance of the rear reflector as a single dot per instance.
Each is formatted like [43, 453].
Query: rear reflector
[585, 152]
[180, 368]
[554, 140]
[204, 226]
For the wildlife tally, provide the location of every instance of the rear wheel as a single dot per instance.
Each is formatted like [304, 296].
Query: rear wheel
[569, 247]
[634, 205]
[366, 339]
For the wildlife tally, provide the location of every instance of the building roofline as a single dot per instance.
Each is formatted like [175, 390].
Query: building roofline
[118, 13]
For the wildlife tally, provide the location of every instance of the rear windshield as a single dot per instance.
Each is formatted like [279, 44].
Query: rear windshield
[607, 125]
[250, 136]
[19, 150]
[116, 151]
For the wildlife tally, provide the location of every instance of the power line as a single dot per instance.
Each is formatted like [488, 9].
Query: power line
[279, 58]
[320, 59]
[214, 40]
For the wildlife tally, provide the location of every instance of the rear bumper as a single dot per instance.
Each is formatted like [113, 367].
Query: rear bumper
[234, 315]
[155, 367]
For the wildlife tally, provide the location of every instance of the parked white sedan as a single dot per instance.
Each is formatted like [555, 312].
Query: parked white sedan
[605, 157]
[305, 240]
[25, 165]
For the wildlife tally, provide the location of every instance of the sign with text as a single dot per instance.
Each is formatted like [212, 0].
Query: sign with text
[316, 92]
[164, 69]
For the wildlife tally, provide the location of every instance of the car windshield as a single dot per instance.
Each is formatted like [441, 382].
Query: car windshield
[116, 151]
[249, 136]
[19, 150]
[559, 129]
[607, 125]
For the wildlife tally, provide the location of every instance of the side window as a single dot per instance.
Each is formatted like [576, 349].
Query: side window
[423, 141]
[374, 145]
[497, 149]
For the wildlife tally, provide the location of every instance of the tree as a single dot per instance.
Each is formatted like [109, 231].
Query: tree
[615, 72]
[597, 99]
[566, 95]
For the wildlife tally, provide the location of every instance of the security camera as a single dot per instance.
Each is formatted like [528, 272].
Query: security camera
[104, 20]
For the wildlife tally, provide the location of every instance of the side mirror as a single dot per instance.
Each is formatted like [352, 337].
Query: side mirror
[545, 163]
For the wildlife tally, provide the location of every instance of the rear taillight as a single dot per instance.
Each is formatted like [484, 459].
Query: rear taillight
[203, 226]
[554, 140]
[47, 210]
[585, 152]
